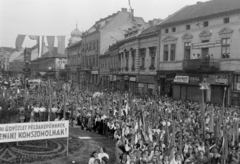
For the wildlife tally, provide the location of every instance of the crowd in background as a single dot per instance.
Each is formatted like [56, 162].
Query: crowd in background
[147, 129]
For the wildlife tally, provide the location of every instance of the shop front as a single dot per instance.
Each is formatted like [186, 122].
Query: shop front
[187, 87]
[119, 82]
[94, 77]
[165, 83]
[132, 84]
[126, 83]
[146, 84]
[235, 94]
[218, 85]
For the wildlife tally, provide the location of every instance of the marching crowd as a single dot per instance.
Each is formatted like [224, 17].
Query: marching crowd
[147, 129]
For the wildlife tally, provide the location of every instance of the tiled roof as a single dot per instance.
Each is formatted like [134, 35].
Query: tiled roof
[74, 45]
[203, 9]
[149, 30]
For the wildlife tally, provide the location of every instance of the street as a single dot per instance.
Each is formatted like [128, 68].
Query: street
[91, 142]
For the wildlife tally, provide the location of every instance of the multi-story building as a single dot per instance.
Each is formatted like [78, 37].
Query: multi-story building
[49, 64]
[5, 53]
[73, 55]
[17, 62]
[201, 43]
[96, 41]
[133, 60]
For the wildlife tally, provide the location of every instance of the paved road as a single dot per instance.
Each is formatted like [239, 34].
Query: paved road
[92, 142]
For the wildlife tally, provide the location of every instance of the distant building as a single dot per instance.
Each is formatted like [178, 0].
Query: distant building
[17, 63]
[5, 53]
[74, 56]
[96, 41]
[49, 65]
[201, 42]
[133, 60]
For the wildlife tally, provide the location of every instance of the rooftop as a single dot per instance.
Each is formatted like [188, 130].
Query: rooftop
[55, 54]
[201, 10]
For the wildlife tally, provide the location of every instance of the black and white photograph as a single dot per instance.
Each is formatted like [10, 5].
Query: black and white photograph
[119, 81]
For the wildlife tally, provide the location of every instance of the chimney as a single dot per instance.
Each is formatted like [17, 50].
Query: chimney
[132, 11]
[151, 23]
[124, 9]
[199, 2]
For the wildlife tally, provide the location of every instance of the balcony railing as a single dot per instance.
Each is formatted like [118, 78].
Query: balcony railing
[201, 64]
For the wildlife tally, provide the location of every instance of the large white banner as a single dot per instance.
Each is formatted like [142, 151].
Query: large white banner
[33, 131]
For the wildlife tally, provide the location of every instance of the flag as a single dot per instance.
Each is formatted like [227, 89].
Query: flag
[173, 134]
[211, 124]
[181, 144]
[50, 40]
[61, 44]
[166, 135]
[19, 42]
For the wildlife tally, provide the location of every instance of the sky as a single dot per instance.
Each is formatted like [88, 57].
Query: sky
[59, 17]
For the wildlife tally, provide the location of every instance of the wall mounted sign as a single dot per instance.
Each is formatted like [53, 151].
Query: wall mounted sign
[145, 79]
[195, 79]
[132, 79]
[206, 45]
[94, 72]
[217, 79]
[181, 79]
[221, 79]
[151, 86]
[140, 85]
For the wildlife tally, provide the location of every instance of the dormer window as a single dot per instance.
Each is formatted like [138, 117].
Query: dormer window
[205, 24]
[226, 20]
[188, 27]
[166, 30]
[174, 29]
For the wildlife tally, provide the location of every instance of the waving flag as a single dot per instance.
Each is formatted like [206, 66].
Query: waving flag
[19, 42]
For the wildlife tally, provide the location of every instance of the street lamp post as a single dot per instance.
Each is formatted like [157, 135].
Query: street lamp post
[204, 86]
[50, 99]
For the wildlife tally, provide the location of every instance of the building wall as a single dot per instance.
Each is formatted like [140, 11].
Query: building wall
[215, 26]
[113, 31]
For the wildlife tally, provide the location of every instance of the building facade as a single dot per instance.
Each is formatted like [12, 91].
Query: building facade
[96, 41]
[49, 65]
[74, 62]
[73, 52]
[200, 43]
[5, 53]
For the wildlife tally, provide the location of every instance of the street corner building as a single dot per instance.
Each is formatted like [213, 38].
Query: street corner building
[201, 42]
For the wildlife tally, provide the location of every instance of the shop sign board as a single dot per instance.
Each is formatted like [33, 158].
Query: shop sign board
[114, 78]
[145, 79]
[170, 77]
[94, 72]
[195, 79]
[140, 85]
[217, 79]
[181, 79]
[206, 45]
[221, 79]
[132, 79]
[151, 86]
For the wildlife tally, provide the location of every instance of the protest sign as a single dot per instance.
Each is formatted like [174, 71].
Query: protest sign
[33, 131]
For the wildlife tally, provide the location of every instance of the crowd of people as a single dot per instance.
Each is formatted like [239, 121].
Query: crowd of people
[147, 129]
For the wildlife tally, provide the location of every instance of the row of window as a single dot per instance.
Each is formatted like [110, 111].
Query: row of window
[142, 57]
[169, 51]
[204, 24]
